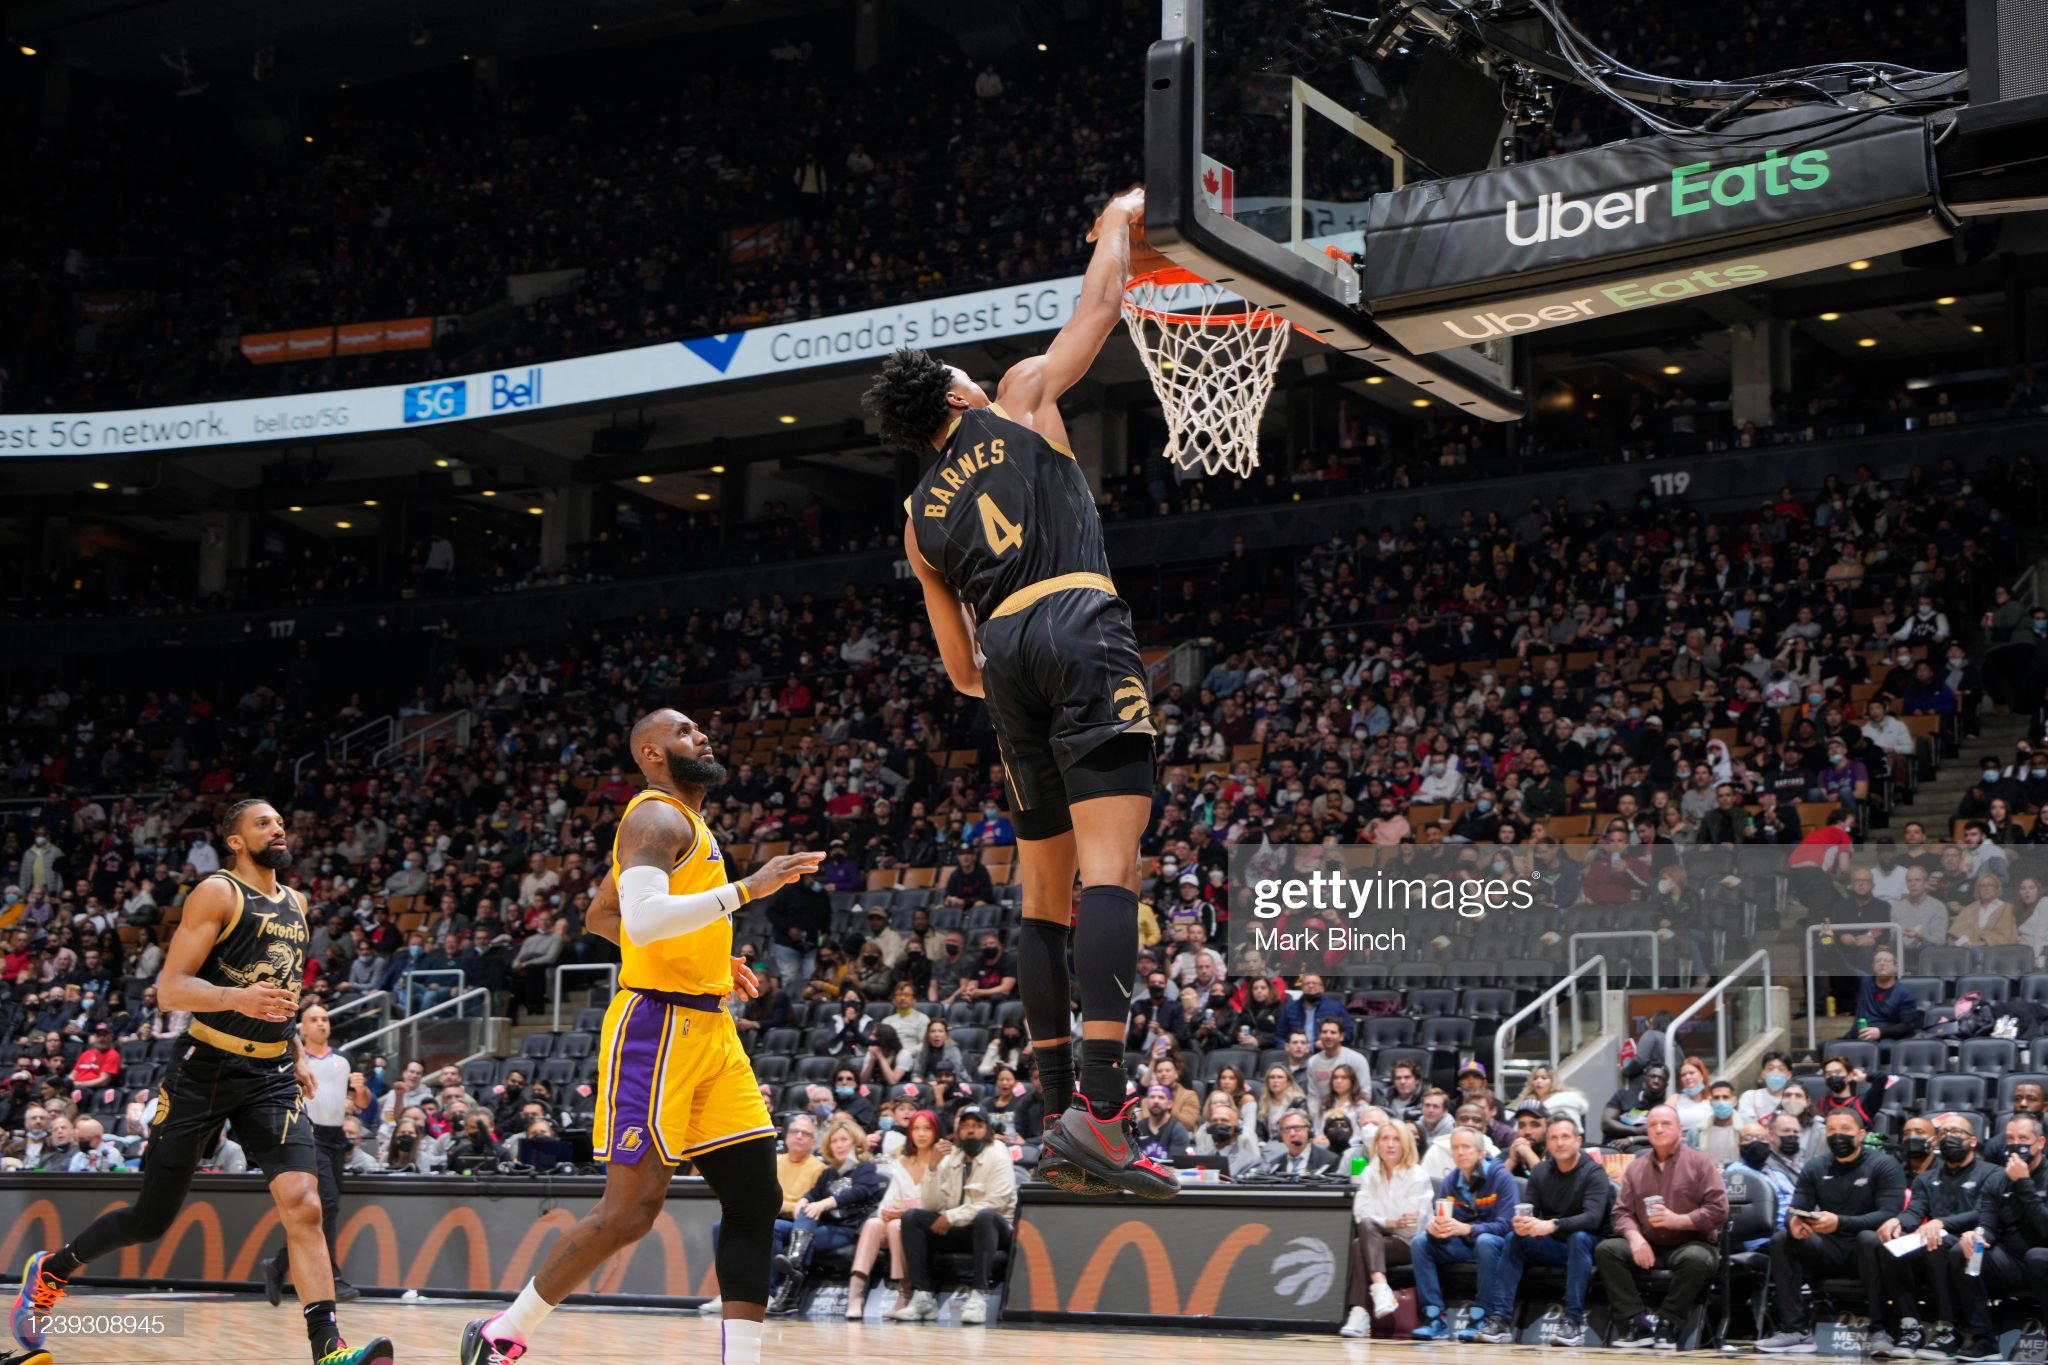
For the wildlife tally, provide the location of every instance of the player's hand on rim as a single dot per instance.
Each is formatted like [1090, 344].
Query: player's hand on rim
[1130, 205]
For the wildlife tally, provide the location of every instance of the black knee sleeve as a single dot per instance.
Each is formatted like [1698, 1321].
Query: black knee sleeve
[749, 1199]
[1042, 980]
[1106, 952]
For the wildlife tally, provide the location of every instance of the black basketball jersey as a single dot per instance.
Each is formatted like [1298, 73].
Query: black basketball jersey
[1004, 508]
[265, 940]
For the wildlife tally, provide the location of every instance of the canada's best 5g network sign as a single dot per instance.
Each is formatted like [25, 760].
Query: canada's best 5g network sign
[637, 373]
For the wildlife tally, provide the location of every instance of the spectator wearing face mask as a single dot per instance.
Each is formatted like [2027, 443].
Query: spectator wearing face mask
[967, 1203]
[1838, 1205]
[1721, 1137]
[1941, 1206]
[1760, 1104]
[2012, 1234]
[1223, 1134]
[1759, 1160]
[1850, 1088]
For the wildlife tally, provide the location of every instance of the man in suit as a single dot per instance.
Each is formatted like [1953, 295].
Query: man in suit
[1299, 1158]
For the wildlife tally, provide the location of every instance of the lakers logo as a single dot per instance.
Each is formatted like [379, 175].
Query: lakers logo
[1131, 700]
[631, 1140]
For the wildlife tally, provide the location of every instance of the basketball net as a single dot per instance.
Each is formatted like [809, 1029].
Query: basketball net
[1212, 361]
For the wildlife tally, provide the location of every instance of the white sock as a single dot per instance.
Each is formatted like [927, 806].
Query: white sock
[523, 1318]
[742, 1342]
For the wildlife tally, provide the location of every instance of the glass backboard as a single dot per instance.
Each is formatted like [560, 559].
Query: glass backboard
[1271, 124]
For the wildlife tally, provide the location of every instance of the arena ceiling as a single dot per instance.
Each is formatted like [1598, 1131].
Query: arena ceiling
[317, 44]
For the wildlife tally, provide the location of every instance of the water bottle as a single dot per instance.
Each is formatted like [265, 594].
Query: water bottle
[1974, 1267]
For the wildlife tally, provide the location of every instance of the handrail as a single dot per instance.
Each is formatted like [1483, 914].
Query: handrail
[1812, 989]
[1549, 998]
[339, 746]
[1715, 992]
[403, 740]
[412, 1020]
[1656, 963]
[461, 977]
[611, 969]
[381, 999]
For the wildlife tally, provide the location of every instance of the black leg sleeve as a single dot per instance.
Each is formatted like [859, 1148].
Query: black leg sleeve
[749, 1199]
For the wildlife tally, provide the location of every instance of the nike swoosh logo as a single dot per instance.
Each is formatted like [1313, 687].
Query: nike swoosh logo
[1116, 1153]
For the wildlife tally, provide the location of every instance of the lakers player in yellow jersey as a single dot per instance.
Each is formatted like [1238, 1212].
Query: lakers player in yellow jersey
[673, 1083]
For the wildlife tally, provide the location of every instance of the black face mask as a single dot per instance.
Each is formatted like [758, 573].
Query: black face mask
[971, 1146]
[1311, 997]
[1222, 1134]
[952, 950]
[1843, 1144]
[1955, 1151]
[1158, 992]
[1838, 1083]
[992, 953]
[1339, 1134]
[1916, 1148]
[1790, 1143]
[1755, 1154]
[2024, 1151]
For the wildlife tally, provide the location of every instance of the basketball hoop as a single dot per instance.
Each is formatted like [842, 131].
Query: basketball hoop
[1212, 360]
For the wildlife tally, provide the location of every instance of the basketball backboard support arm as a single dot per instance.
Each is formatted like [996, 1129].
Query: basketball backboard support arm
[1318, 295]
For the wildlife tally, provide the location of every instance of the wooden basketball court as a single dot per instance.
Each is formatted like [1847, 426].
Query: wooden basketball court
[225, 1327]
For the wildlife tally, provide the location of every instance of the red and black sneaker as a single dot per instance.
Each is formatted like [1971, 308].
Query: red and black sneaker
[1105, 1152]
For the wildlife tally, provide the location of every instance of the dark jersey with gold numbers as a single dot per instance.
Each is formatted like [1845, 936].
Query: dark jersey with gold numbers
[1005, 510]
[265, 940]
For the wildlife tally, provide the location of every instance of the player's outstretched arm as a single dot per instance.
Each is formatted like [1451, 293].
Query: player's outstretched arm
[952, 627]
[1031, 389]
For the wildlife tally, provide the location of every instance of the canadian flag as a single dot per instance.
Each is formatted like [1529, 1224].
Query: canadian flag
[1219, 187]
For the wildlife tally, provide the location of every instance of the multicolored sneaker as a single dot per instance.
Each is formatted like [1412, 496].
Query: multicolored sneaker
[380, 1351]
[1433, 1327]
[38, 1356]
[477, 1349]
[1107, 1148]
[36, 1297]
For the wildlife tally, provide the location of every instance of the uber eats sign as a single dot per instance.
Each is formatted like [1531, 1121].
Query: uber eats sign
[1654, 220]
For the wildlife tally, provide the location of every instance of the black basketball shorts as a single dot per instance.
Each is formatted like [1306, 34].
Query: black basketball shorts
[1066, 690]
[207, 1087]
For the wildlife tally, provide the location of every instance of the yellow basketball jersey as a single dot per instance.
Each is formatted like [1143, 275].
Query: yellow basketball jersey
[697, 963]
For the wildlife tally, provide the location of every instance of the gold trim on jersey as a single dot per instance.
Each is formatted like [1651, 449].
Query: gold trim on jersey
[997, 409]
[228, 1042]
[1031, 593]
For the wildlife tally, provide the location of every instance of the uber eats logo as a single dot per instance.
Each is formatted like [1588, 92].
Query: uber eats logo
[1695, 188]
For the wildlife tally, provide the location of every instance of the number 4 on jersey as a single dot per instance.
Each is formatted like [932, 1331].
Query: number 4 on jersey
[1003, 534]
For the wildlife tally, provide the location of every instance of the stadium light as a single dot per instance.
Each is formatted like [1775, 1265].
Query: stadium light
[440, 464]
[1419, 403]
[490, 492]
[533, 511]
[1375, 379]
[295, 508]
[1674, 369]
[643, 478]
[369, 502]
[101, 485]
[1867, 342]
[718, 469]
[703, 497]
[1977, 327]
[343, 525]
[1946, 299]
[27, 51]
[1859, 265]
[1830, 317]
[787, 419]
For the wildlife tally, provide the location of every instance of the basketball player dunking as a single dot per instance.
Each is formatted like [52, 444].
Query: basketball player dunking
[236, 961]
[673, 1082]
[1004, 536]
